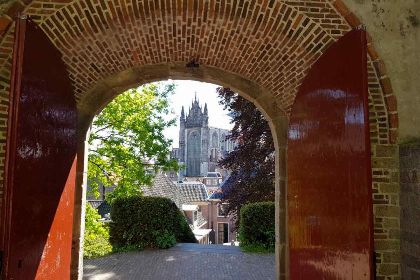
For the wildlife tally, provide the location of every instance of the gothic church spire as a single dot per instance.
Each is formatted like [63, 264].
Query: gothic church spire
[182, 113]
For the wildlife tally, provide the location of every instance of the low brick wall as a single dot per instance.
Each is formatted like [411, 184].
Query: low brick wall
[410, 210]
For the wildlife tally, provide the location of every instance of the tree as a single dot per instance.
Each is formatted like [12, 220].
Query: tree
[96, 237]
[252, 161]
[126, 142]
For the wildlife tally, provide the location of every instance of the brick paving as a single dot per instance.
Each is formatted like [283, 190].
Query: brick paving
[183, 262]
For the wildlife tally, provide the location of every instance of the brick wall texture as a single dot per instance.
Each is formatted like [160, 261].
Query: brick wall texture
[272, 43]
[410, 210]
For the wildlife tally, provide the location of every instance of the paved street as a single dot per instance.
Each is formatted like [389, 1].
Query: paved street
[183, 262]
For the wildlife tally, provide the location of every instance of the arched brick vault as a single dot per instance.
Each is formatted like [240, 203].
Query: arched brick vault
[273, 43]
[270, 43]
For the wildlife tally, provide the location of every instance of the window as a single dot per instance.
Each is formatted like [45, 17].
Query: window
[214, 140]
[222, 233]
[221, 210]
[213, 155]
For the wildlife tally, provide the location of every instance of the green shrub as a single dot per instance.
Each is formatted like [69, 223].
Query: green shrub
[257, 227]
[96, 237]
[147, 222]
[164, 239]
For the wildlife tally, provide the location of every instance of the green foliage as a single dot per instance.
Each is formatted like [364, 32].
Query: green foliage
[148, 222]
[257, 248]
[126, 143]
[164, 239]
[257, 227]
[96, 239]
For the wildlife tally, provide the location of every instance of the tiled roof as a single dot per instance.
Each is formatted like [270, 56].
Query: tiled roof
[164, 187]
[217, 195]
[193, 191]
[95, 203]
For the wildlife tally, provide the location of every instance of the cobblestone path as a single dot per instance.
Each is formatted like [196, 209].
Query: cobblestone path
[183, 262]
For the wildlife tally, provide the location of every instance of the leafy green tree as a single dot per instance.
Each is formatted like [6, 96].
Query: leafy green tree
[96, 237]
[126, 142]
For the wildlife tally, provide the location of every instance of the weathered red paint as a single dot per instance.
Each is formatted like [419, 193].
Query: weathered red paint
[329, 179]
[40, 161]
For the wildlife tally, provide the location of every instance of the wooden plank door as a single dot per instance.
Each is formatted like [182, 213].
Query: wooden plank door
[329, 169]
[40, 164]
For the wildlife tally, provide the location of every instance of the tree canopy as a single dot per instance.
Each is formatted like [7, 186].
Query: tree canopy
[252, 162]
[126, 142]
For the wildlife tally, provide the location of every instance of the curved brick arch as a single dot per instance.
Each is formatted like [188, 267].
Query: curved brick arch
[384, 117]
[276, 42]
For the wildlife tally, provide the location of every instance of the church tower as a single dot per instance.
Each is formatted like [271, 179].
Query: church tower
[200, 146]
[181, 158]
[205, 143]
[195, 136]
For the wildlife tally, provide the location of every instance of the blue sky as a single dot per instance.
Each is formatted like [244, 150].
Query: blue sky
[206, 93]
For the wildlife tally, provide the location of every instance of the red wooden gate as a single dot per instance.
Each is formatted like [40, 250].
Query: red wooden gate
[40, 161]
[329, 170]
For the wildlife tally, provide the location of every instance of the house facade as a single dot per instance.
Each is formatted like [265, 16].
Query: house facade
[204, 212]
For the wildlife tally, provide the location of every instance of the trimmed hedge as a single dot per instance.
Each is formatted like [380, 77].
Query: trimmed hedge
[257, 226]
[147, 222]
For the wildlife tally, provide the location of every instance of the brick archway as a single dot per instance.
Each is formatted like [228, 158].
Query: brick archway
[270, 43]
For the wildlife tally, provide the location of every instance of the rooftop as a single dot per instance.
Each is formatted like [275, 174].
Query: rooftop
[164, 187]
[193, 191]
